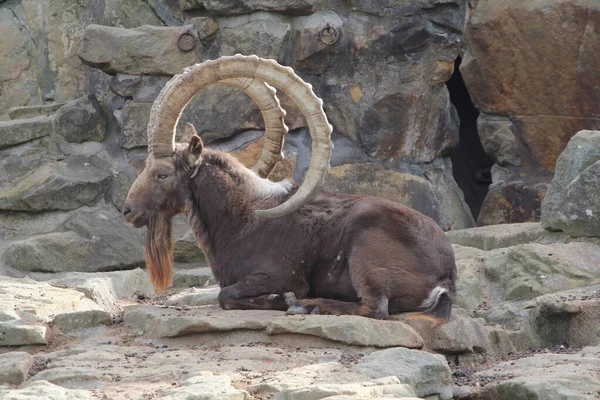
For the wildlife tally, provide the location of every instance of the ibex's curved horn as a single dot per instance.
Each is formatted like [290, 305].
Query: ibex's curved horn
[273, 115]
[177, 93]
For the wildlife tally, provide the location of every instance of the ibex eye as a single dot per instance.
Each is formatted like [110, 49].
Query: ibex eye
[162, 176]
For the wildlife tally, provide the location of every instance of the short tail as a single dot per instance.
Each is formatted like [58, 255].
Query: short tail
[437, 307]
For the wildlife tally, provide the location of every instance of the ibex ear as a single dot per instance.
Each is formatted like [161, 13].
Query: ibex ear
[195, 147]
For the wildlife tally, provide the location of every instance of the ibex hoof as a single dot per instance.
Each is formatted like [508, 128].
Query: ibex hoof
[290, 298]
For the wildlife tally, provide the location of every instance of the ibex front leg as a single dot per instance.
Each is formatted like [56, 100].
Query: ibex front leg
[255, 292]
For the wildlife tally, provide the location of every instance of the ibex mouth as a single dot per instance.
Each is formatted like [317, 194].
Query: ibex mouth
[138, 220]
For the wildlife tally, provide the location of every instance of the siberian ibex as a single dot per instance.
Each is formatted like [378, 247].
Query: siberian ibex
[282, 245]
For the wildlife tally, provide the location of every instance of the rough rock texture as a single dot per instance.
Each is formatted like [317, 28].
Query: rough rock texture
[23, 130]
[34, 304]
[537, 107]
[206, 385]
[63, 185]
[389, 387]
[40, 45]
[503, 235]
[14, 367]
[45, 390]
[87, 242]
[80, 120]
[571, 203]
[143, 50]
[571, 316]
[548, 376]
[512, 201]
[425, 372]
[349, 329]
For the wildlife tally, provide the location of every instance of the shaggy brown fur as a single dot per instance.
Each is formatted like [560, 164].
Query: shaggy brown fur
[159, 252]
[338, 254]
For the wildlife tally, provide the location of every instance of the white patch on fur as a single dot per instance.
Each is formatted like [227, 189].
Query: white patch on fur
[264, 188]
[434, 297]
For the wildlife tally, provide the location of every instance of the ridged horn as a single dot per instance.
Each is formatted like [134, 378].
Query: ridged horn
[178, 92]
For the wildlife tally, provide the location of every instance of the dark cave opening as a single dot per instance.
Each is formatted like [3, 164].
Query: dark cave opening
[470, 164]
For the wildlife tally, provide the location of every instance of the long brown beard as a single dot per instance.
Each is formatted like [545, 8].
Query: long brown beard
[159, 253]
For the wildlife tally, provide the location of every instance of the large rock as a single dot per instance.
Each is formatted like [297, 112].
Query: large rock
[442, 203]
[195, 297]
[33, 304]
[530, 270]
[87, 242]
[159, 323]
[134, 124]
[230, 7]
[14, 367]
[512, 202]
[571, 317]
[304, 376]
[461, 334]
[51, 34]
[22, 130]
[80, 120]
[70, 377]
[572, 203]
[546, 376]
[498, 139]
[262, 34]
[24, 112]
[389, 387]
[498, 236]
[547, 104]
[427, 373]
[65, 185]
[205, 386]
[104, 288]
[143, 50]
[349, 329]
[45, 390]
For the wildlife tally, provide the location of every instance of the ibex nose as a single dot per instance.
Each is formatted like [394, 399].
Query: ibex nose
[126, 210]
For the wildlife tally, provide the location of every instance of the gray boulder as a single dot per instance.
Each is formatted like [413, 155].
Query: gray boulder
[262, 34]
[14, 367]
[135, 122]
[144, 50]
[80, 120]
[427, 373]
[24, 112]
[45, 390]
[572, 203]
[22, 130]
[571, 316]
[86, 242]
[205, 386]
[349, 329]
[498, 139]
[64, 185]
[545, 376]
[231, 7]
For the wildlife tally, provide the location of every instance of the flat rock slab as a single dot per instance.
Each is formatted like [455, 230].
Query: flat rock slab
[195, 297]
[170, 322]
[503, 235]
[14, 367]
[427, 373]
[105, 288]
[349, 329]
[32, 304]
[461, 334]
[307, 375]
[206, 386]
[389, 387]
[22, 329]
[72, 378]
[44, 390]
[548, 376]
